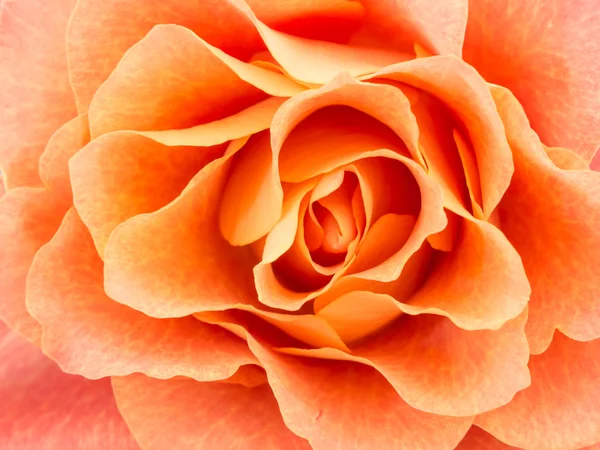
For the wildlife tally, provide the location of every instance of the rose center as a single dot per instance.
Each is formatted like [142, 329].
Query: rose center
[330, 224]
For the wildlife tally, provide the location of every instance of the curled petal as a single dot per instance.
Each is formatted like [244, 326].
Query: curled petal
[184, 414]
[317, 62]
[252, 200]
[561, 408]
[174, 262]
[385, 104]
[43, 407]
[480, 284]
[556, 234]
[122, 174]
[89, 334]
[466, 93]
[158, 86]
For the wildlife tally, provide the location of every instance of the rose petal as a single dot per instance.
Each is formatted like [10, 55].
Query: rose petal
[477, 439]
[281, 237]
[35, 92]
[472, 177]
[561, 408]
[305, 328]
[100, 32]
[317, 62]
[327, 20]
[357, 314]
[347, 405]
[566, 159]
[54, 162]
[247, 122]
[122, 174]
[89, 334]
[386, 104]
[465, 92]
[252, 201]
[387, 237]
[174, 262]
[452, 372]
[439, 26]
[552, 217]
[184, 414]
[437, 145]
[158, 85]
[541, 50]
[446, 239]
[249, 375]
[595, 164]
[431, 220]
[42, 407]
[481, 284]
[28, 219]
[412, 276]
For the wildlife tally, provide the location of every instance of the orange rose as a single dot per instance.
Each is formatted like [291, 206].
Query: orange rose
[325, 224]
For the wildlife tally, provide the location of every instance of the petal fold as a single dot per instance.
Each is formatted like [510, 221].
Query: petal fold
[338, 404]
[466, 93]
[169, 79]
[174, 262]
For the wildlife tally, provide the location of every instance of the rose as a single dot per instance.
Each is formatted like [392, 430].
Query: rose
[436, 189]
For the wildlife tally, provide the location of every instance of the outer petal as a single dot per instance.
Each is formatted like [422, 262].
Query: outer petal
[340, 405]
[88, 333]
[35, 94]
[545, 52]
[552, 217]
[183, 414]
[100, 32]
[44, 408]
[28, 219]
[438, 26]
[477, 439]
[561, 408]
